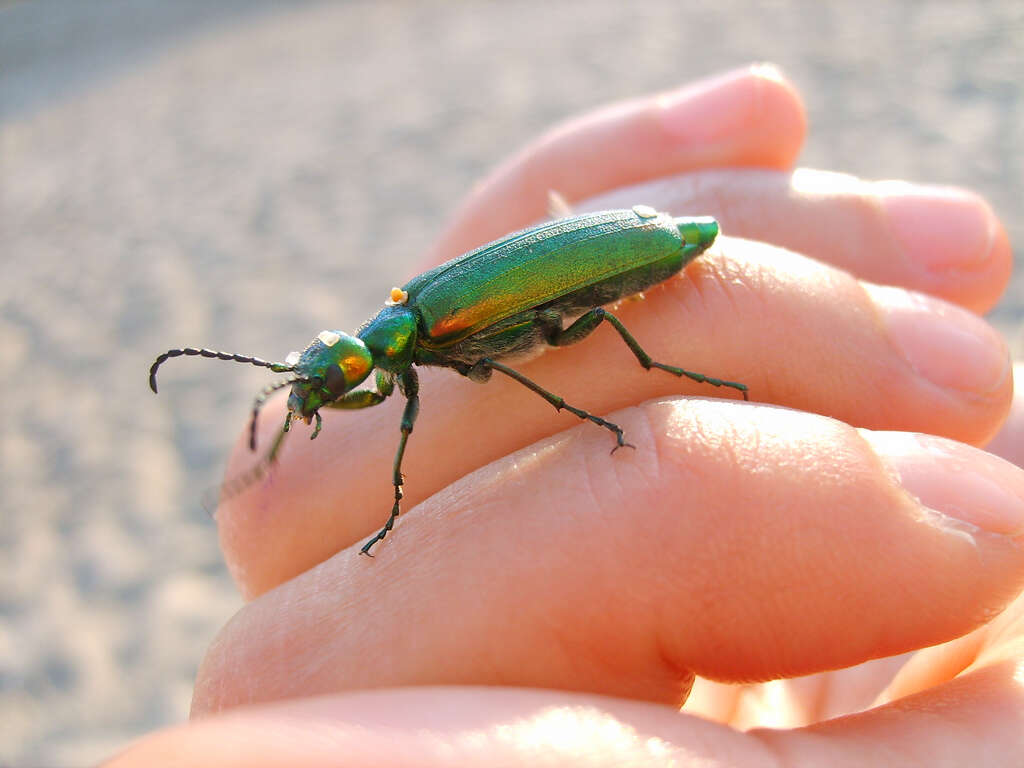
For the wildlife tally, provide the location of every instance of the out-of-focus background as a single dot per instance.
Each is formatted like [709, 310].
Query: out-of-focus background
[240, 174]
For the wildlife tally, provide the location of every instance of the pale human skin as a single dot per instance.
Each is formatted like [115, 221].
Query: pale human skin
[542, 602]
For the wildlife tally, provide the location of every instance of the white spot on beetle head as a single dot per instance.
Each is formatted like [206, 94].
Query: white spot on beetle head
[644, 211]
[330, 338]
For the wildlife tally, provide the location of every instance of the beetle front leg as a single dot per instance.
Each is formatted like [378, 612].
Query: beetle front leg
[408, 382]
[586, 323]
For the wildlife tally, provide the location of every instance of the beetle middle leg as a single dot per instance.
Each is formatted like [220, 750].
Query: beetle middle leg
[586, 323]
[559, 402]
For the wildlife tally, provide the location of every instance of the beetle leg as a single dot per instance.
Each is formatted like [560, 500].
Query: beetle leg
[276, 446]
[261, 398]
[351, 400]
[408, 383]
[233, 487]
[360, 398]
[586, 323]
[557, 401]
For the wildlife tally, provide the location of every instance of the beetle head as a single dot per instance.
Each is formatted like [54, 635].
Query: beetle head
[334, 363]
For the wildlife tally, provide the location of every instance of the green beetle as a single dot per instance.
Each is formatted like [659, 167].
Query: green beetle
[504, 300]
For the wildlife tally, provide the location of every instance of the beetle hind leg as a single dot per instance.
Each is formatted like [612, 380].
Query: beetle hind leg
[555, 400]
[585, 325]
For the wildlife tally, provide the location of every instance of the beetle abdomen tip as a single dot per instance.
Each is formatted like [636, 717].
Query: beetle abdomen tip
[698, 230]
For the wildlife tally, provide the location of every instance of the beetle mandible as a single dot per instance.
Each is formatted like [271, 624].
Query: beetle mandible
[500, 301]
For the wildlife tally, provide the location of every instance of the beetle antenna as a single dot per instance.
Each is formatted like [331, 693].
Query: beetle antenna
[261, 398]
[195, 352]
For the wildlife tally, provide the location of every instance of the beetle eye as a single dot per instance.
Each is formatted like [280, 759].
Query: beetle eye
[336, 380]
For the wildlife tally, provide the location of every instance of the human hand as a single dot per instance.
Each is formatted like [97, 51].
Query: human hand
[738, 542]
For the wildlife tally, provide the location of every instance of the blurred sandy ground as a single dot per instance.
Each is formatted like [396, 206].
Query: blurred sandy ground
[242, 174]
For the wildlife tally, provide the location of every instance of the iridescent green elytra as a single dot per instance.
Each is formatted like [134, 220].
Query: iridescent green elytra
[501, 301]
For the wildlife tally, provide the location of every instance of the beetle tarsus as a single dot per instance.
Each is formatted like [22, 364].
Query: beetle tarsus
[700, 378]
[621, 442]
[365, 550]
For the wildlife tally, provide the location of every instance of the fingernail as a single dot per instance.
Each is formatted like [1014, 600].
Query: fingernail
[949, 346]
[941, 227]
[957, 480]
[706, 111]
